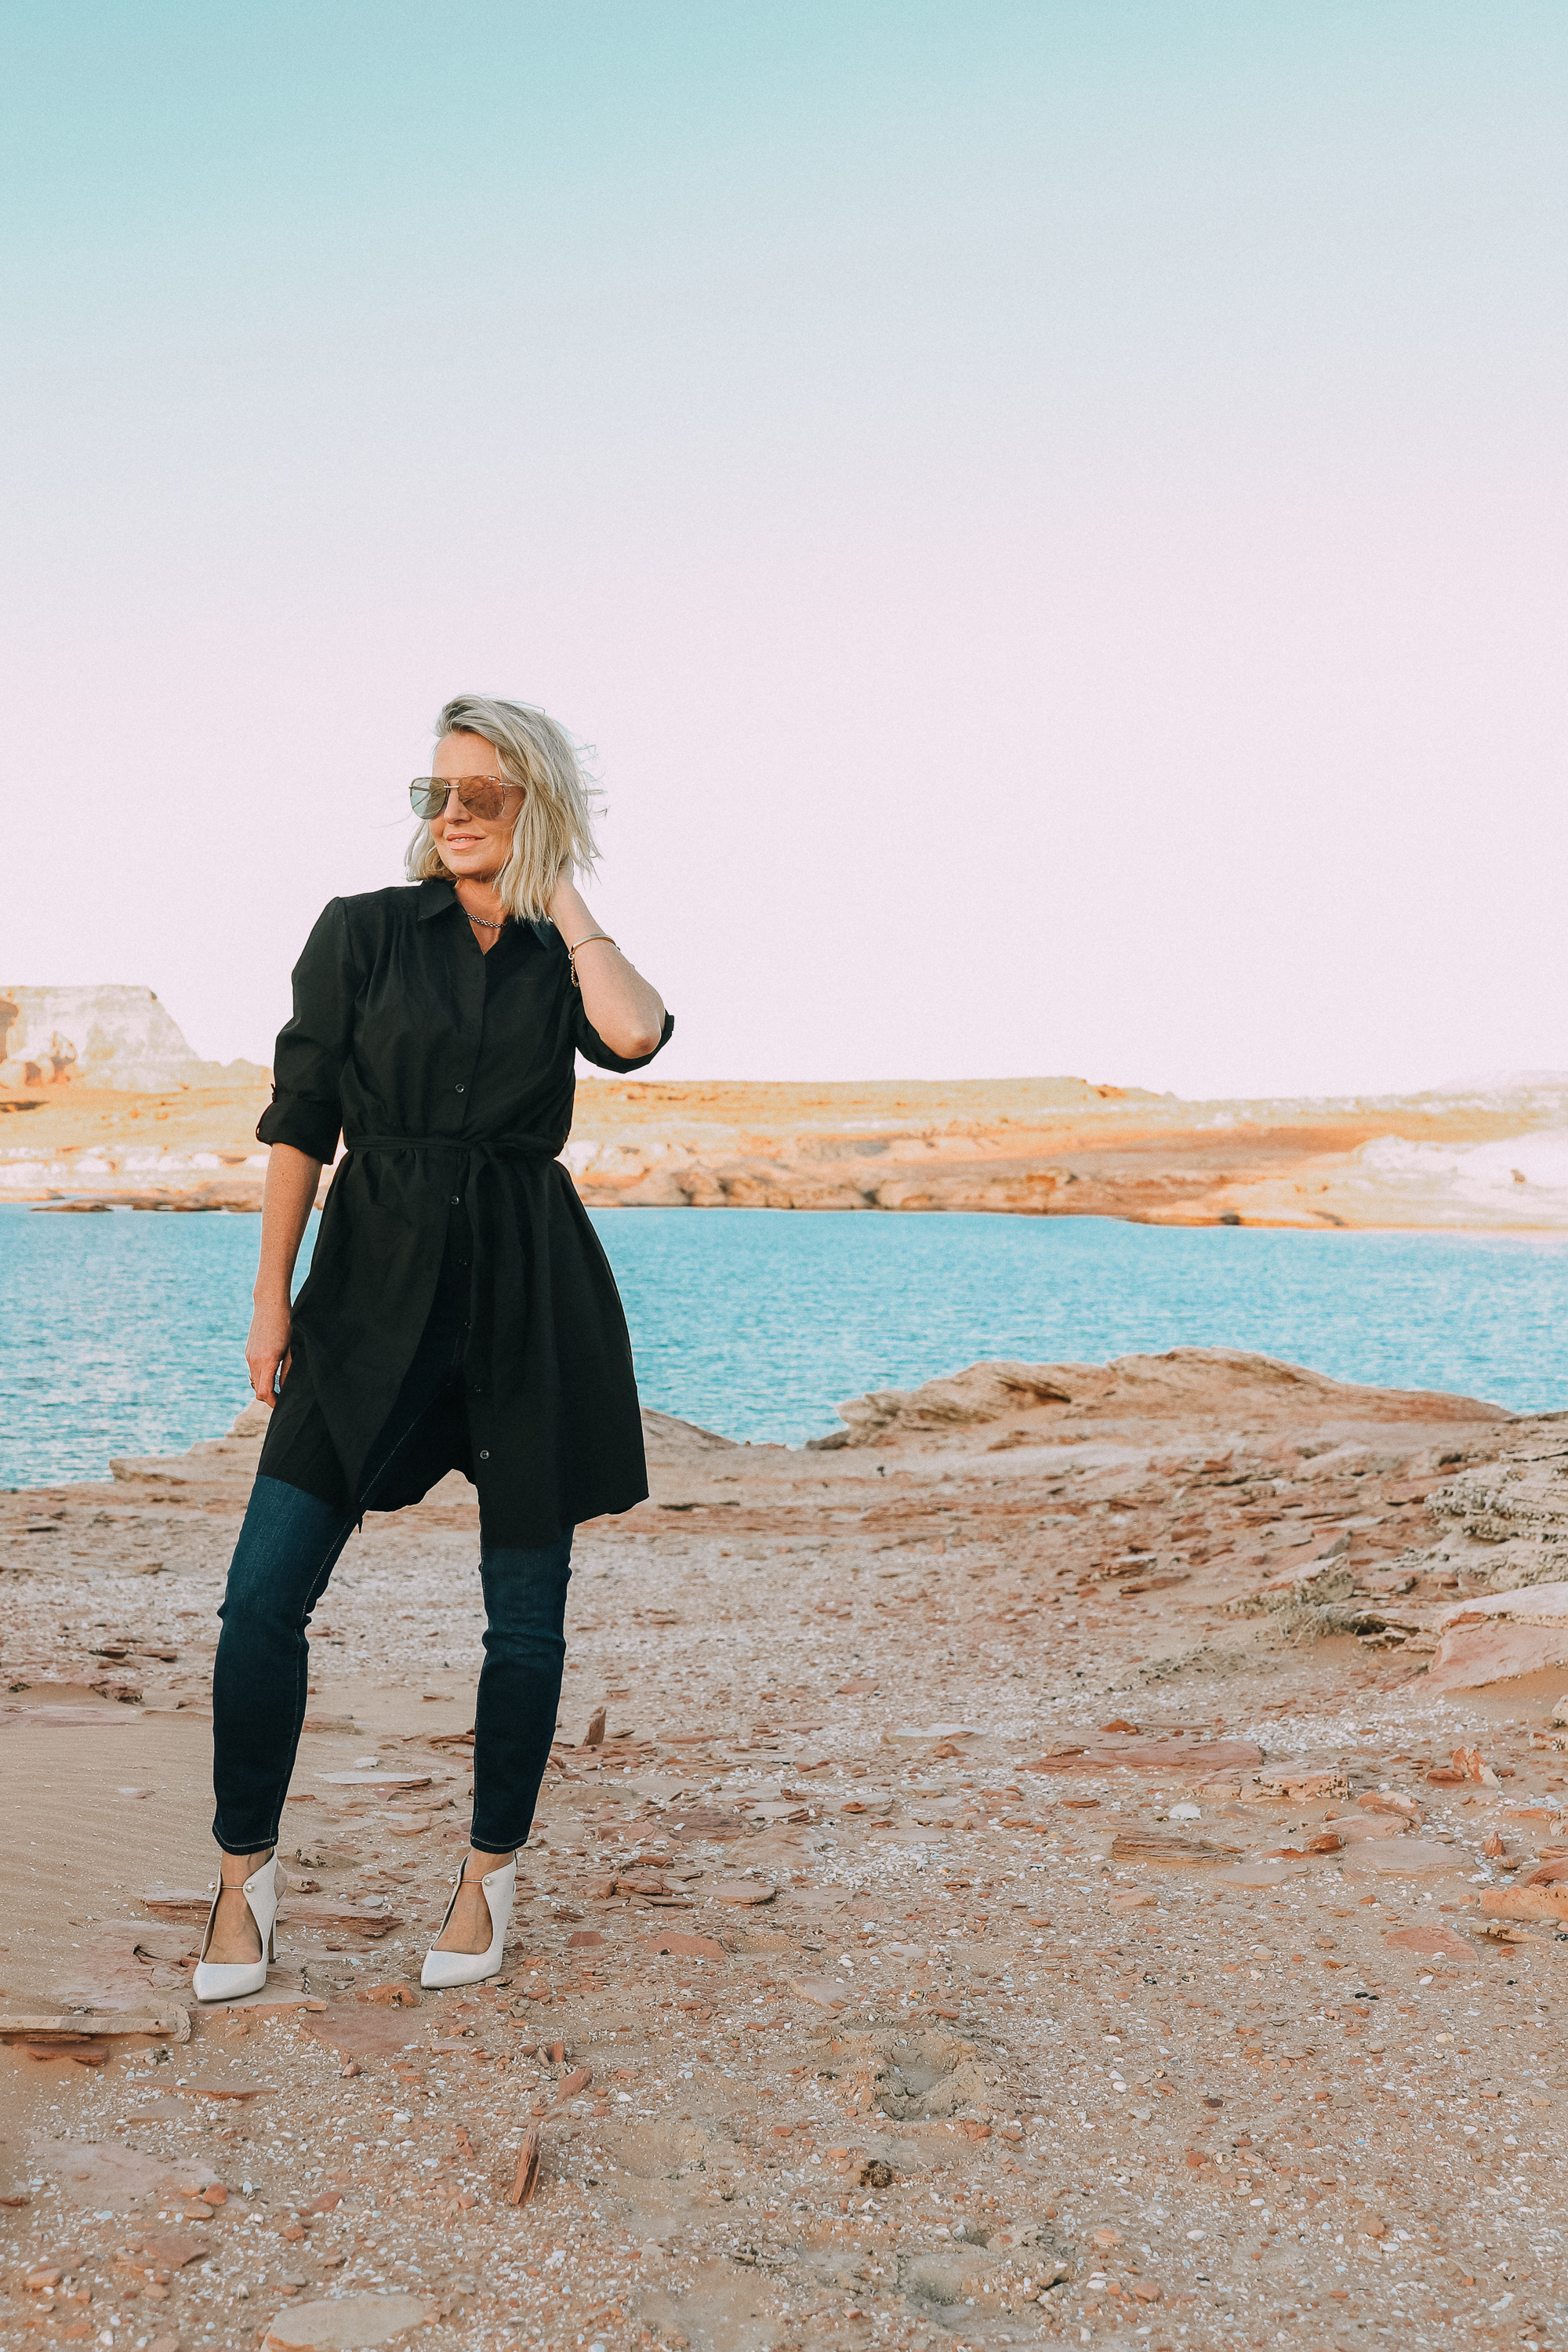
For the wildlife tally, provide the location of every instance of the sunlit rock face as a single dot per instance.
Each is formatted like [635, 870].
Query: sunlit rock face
[107, 1036]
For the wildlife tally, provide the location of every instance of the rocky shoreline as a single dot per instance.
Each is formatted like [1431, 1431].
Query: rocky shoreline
[1489, 1159]
[1019, 1871]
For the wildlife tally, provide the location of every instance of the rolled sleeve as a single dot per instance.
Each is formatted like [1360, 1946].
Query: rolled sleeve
[593, 1048]
[306, 1109]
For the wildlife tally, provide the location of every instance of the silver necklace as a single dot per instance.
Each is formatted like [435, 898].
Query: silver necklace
[484, 922]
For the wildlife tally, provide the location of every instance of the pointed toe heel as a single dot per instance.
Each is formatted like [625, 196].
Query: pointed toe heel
[442, 1970]
[214, 1980]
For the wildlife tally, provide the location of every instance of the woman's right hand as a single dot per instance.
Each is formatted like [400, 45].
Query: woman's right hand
[268, 1352]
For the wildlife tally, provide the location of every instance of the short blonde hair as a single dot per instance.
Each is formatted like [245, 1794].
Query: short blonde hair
[556, 823]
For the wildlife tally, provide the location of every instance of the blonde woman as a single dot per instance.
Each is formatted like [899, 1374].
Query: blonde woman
[460, 1312]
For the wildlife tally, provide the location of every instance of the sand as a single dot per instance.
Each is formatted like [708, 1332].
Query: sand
[948, 1944]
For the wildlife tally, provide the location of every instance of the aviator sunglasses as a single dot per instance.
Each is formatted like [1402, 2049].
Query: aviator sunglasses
[481, 796]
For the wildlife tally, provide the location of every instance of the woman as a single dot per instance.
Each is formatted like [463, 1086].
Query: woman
[460, 1312]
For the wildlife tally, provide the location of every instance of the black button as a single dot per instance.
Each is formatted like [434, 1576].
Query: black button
[456, 1200]
[478, 1388]
[459, 1085]
[484, 1454]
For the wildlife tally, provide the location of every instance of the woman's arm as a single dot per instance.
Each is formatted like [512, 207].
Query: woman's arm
[627, 1014]
[286, 1200]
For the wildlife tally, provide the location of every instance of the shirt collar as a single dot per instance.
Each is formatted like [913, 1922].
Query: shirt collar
[434, 896]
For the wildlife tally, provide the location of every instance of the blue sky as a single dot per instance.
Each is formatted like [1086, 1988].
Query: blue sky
[1052, 517]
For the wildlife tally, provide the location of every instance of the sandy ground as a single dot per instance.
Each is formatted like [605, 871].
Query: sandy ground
[1492, 1158]
[950, 1944]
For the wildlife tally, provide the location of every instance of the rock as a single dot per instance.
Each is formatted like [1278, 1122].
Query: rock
[982, 1393]
[170, 2253]
[105, 2175]
[823, 1993]
[1496, 1637]
[1150, 1846]
[365, 1778]
[108, 1036]
[670, 1443]
[190, 1903]
[1259, 1873]
[1304, 1783]
[1407, 1857]
[76, 2026]
[525, 2180]
[751, 1891]
[1536, 1902]
[349, 2320]
[1441, 1940]
[1190, 1383]
[364, 2033]
[337, 1916]
[1193, 1756]
[396, 1995]
[687, 1947]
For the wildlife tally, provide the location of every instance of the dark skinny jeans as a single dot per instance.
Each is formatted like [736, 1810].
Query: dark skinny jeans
[288, 1547]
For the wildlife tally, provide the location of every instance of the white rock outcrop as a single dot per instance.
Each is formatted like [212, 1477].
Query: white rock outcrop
[105, 1036]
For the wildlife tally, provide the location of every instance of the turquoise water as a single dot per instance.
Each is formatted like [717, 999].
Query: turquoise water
[124, 1334]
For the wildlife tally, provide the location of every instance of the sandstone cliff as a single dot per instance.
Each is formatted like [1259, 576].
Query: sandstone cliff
[108, 1036]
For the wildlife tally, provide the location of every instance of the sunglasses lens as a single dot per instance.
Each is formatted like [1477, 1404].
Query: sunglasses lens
[482, 796]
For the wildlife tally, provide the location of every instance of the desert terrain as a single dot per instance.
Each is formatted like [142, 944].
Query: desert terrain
[1076, 1858]
[1488, 1158]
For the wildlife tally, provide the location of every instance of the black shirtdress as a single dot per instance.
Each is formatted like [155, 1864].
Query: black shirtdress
[450, 1074]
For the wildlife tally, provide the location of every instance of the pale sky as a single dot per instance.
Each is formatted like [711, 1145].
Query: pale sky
[1052, 516]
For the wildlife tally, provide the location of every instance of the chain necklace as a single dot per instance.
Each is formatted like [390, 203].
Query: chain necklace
[484, 922]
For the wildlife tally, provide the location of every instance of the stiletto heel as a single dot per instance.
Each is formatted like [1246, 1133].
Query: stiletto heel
[216, 1980]
[443, 1968]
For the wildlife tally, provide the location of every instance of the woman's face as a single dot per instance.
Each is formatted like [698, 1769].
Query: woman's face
[474, 847]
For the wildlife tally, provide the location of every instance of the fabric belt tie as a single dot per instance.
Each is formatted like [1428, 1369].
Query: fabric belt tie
[514, 1147]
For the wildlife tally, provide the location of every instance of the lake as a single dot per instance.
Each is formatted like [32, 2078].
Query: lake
[124, 1333]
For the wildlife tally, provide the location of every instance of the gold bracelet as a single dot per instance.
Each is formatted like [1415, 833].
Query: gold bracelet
[586, 941]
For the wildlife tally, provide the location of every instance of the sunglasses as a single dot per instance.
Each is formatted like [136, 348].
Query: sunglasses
[481, 796]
